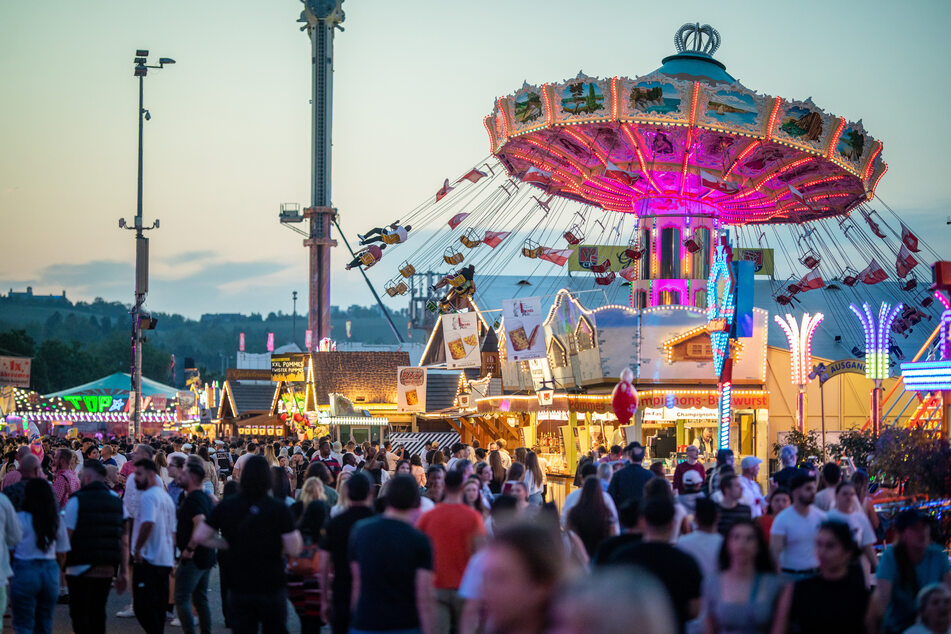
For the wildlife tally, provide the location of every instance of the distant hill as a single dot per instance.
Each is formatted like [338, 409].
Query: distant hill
[211, 341]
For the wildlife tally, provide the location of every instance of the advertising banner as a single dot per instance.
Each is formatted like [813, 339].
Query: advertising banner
[410, 389]
[15, 371]
[762, 259]
[524, 332]
[289, 367]
[460, 333]
[584, 256]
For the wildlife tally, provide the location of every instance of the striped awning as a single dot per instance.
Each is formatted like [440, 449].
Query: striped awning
[413, 441]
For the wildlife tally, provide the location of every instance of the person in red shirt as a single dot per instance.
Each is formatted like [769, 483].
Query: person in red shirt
[456, 531]
[690, 464]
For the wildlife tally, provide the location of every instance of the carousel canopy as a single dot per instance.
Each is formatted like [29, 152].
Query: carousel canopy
[687, 133]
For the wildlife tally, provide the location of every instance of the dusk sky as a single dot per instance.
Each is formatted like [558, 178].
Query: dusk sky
[229, 138]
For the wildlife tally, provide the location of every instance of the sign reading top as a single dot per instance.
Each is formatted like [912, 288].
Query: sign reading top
[289, 367]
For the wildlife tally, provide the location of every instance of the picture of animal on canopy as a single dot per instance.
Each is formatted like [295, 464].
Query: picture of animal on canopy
[582, 98]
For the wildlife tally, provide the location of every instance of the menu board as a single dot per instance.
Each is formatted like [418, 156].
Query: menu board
[524, 330]
[460, 333]
[410, 389]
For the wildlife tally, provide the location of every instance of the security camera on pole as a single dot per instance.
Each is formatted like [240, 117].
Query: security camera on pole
[140, 320]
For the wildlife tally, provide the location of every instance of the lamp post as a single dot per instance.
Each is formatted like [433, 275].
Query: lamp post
[140, 319]
[876, 352]
[294, 317]
[799, 336]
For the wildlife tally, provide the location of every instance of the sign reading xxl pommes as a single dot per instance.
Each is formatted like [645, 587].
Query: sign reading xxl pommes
[289, 367]
[15, 371]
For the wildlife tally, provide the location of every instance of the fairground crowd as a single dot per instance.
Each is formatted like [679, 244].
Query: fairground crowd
[366, 538]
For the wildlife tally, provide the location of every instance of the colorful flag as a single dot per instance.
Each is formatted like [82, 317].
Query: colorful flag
[614, 172]
[873, 273]
[909, 239]
[905, 261]
[240, 342]
[712, 181]
[798, 195]
[473, 176]
[445, 189]
[270, 342]
[873, 225]
[308, 339]
[456, 220]
[810, 281]
[555, 256]
[493, 238]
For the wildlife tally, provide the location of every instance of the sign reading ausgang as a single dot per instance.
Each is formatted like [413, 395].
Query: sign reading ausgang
[845, 366]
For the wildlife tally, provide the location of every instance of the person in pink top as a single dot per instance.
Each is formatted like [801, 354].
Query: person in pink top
[15, 476]
[65, 480]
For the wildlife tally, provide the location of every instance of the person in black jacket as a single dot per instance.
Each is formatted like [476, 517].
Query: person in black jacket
[628, 483]
[99, 550]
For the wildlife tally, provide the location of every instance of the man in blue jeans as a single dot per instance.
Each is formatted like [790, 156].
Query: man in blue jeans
[196, 561]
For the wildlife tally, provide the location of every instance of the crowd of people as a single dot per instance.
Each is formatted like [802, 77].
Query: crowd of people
[366, 538]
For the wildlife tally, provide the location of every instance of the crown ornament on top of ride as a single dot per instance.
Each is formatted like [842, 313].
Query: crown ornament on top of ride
[694, 38]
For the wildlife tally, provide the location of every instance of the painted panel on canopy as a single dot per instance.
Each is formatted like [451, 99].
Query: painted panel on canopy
[618, 339]
[804, 124]
[853, 146]
[715, 151]
[734, 108]
[527, 109]
[655, 97]
[767, 158]
[583, 98]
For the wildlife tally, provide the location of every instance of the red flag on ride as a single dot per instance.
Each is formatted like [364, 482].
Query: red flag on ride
[473, 176]
[445, 189]
[493, 238]
[905, 261]
[712, 181]
[873, 273]
[537, 177]
[810, 281]
[629, 273]
[555, 256]
[620, 175]
[873, 225]
[909, 239]
[455, 220]
[798, 195]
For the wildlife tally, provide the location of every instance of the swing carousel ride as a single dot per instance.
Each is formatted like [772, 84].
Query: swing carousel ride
[636, 180]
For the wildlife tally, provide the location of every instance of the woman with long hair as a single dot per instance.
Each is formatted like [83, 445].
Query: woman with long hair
[472, 496]
[777, 501]
[438, 458]
[34, 587]
[590, 519]
[498, 472]
[417, 471]
[162, 463]
[748, 597]
[520, 455]
[281, 486]
[534, 478]
[835, 600]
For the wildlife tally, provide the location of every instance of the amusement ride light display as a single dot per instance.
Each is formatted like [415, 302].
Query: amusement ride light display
[876, 352]
[800, 336]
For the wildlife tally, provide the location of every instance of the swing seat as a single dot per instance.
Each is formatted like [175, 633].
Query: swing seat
[572, 238]
[810, 260]
[531, 249]
[401, 288]
[391, 238]
[927, 301]
[407, 269]
[367, 259]
[605, 280]
[691, 245]
[453, 257]
[432, 306]
[471, 239]
[457, 280]
[390, 289]
[603, 267]
[783, 300]
[793, 289]
[850, 280]
[910, 284]
[445, 306]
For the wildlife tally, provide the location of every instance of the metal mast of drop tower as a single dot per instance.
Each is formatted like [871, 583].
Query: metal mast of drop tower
[320, 18]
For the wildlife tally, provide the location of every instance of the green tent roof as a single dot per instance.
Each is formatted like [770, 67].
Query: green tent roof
[118, 381]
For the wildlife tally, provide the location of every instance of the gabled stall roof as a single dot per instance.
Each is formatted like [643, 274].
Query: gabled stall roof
[241, 398]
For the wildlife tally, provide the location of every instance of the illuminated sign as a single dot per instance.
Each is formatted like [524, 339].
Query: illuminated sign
[96, 403]
[289, 367]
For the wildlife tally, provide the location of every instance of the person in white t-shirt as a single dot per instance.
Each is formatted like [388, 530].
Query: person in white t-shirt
[705, 542]
[752, 492]
[831, 475]
[153, 548]
[793, 534]
[847, 511]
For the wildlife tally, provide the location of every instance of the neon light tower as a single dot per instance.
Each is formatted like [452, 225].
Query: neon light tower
[320, 18]
[876, 352]
[800, 356]
[721, 311]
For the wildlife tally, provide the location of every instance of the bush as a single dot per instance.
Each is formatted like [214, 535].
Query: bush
[915, 460]
[808, 444]
[856, 444]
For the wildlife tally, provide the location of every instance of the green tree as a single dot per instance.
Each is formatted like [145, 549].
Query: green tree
[857, 444]
[808, 444]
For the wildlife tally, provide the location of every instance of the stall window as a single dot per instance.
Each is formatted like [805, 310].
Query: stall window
[700, 261]
[557, 355]
[584, 334]
[670, 253]
[640, 299]
[700, 299]
[669, 298]
[646, 258]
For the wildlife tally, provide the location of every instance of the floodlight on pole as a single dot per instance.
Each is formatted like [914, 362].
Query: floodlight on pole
[799, 335]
